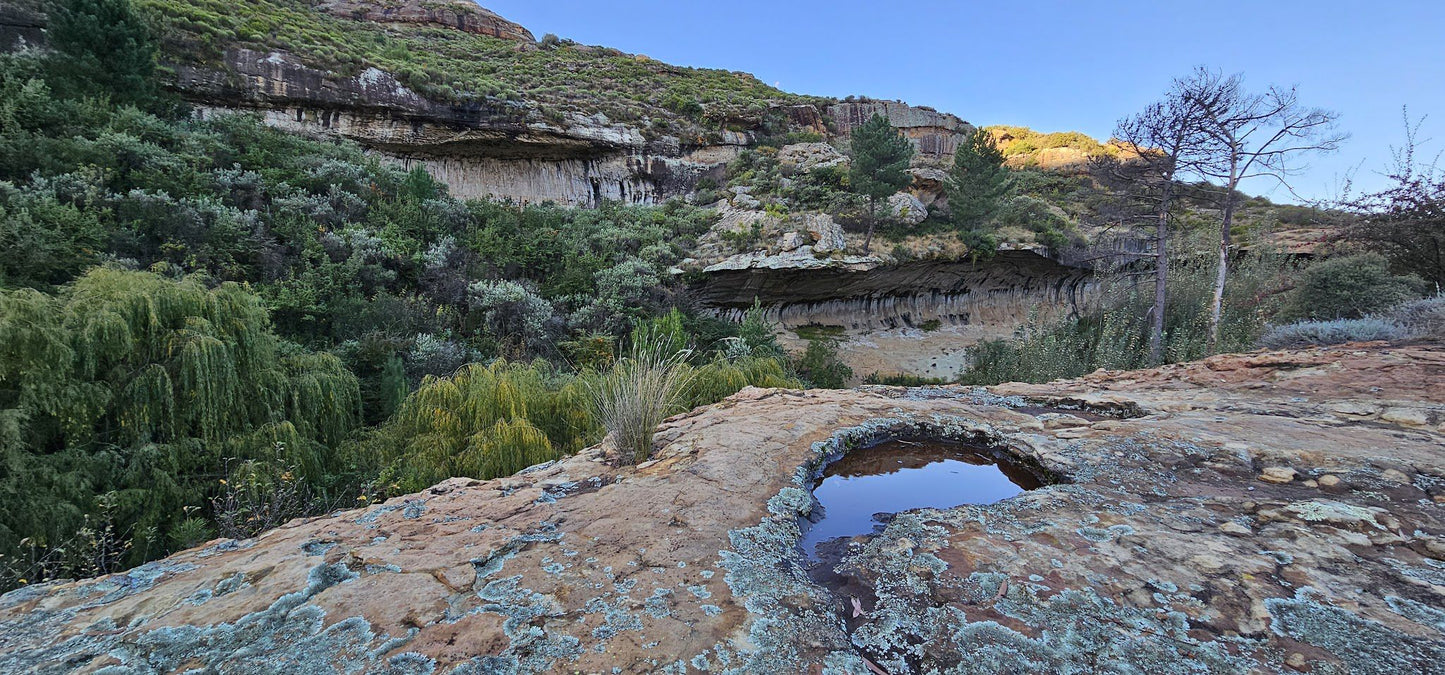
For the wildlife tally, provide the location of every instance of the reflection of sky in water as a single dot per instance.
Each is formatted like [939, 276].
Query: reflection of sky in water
[849, 502]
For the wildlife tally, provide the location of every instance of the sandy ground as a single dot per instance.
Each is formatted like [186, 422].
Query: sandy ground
[905, 351]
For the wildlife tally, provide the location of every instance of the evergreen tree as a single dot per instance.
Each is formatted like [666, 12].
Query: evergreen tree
[880, 165]
[978, 180]
[105, 48]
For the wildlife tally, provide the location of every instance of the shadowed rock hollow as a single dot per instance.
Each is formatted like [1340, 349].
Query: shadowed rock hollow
[1277, 512]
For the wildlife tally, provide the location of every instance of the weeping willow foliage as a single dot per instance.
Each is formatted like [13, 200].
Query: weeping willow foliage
[495, 420]
[721, 378]
[129, 390]
[482, 422]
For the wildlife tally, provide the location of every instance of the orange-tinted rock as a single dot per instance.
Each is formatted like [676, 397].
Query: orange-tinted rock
[1159, 552]
[463, 15]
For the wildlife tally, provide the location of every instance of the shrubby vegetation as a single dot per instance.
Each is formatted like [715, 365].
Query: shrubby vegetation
[127, 393]
[211, 326]
[1332, 332]
[1113, 331]
[1349, 287]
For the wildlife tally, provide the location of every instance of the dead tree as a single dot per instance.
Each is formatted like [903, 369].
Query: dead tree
[1250, 136]
[1162, 145]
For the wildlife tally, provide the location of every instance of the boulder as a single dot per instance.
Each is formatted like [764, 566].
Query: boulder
[907, 209]
[929, 184]
[805, 157]
[827, 235]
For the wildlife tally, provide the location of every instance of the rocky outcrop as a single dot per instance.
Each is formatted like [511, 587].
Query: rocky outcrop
[936, 135]
[805, 157]
[1270, 513]
[22, 25]
[498, 150]
[864, 292]
[463, 15]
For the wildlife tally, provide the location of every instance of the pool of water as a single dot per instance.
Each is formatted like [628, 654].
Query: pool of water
[861, 491]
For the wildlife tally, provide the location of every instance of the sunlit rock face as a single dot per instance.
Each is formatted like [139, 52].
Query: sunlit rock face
[861, 293]
[505, 150]
[1275, 512]
[463, 15]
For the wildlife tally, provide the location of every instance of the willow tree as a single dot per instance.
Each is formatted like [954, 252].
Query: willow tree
[123, 397]
[483, 422]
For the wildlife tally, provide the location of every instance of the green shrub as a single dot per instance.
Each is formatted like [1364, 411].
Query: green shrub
[1349, 287]
[903, 380]
[483, 422]
[820, 368]
[126, 391]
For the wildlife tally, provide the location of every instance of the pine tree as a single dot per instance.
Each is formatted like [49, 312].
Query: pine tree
[105, 48]
[978, 181]
[880, 165]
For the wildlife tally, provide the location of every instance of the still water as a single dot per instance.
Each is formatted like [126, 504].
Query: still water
[858, 492]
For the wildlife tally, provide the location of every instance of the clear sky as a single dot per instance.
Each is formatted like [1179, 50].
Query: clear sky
[1053, 65]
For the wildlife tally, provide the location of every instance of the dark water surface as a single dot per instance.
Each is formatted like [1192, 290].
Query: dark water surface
[858, 492]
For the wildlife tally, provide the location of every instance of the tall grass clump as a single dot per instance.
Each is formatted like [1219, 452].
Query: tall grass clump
[644, 387]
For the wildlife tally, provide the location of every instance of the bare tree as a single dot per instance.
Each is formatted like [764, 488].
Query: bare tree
[1406, 220]
[1163, 144]
[1251, 136]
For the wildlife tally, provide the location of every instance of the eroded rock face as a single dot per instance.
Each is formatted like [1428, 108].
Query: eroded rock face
[862, 292]
[936, 135]
[463, 15]
[1161, 550]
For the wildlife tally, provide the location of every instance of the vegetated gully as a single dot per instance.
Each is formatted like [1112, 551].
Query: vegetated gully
[861, 492]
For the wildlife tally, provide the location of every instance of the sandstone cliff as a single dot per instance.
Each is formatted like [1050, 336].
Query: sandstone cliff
[463, 15]
[541, 144]
[1273, 513]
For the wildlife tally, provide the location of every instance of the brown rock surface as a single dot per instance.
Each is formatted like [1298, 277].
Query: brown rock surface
[463, 15]
[1159, 551]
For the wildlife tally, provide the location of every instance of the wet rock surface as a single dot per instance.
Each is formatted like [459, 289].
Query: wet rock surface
[1162, 549]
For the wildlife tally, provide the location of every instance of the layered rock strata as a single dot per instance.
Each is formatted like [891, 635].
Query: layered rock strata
[863, 293]
[1270, 513]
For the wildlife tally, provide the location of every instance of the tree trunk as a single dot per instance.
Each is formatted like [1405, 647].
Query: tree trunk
[872, 221]
[1161, 277]
[1216, 307]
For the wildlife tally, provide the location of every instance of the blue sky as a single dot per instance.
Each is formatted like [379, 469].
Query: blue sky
[1053, 65]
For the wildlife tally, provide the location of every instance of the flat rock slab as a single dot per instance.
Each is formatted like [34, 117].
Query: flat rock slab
[1166, 546]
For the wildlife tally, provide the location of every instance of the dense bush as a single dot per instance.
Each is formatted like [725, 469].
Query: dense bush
[1349, 287]
[1421, 318]
[127, 392]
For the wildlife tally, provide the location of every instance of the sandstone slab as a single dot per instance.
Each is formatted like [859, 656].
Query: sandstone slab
[1156, 550]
